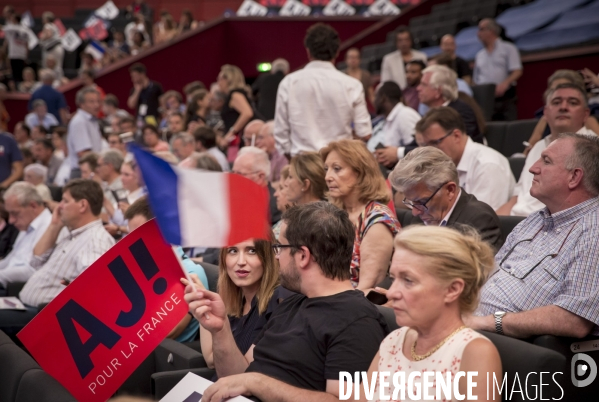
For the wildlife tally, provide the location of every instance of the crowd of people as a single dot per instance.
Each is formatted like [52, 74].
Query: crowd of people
[294, 310]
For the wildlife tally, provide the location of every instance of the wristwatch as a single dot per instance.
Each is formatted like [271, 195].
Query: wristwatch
[498, 321]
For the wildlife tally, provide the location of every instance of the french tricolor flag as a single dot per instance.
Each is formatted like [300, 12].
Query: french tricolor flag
[206, 209]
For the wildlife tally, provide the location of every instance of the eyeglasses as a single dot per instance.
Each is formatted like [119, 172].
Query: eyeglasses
[277, 248]
[421, 206]
[433, 143]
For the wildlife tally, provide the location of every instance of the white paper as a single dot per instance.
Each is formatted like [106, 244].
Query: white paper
[338, 7]
[108, 11]
[294, 8]
[70, 40]
[191, 388]
[250, 8]
[11, 303]
[32, 41]
[383, 7]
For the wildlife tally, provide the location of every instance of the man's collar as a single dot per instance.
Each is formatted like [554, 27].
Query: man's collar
[448, 215]
[394, 112]
[320, 64]
[35, 222]
[570, 214]
[85, 114]
[467, 156]
[90, 225]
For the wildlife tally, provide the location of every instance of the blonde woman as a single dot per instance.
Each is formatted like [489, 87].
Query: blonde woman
[306, 182]
[237, 110]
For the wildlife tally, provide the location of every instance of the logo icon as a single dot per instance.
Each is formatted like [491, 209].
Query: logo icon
[583, 366]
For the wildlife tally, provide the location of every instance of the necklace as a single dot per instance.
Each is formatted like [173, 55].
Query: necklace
[417, 358]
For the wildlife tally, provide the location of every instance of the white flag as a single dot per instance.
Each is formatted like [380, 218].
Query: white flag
[383, 7]
[108, 11]
[250, 8]
[32, 40]
[27, 20]
[70, 40]
[294, 8]
[338, 7]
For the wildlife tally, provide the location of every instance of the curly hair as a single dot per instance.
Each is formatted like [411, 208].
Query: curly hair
[322, 41]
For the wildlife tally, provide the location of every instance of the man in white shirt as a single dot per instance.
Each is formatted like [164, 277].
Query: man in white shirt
[319, 104]
[84, 134]
[27, 213]
[16, 39]
[40, 116]
[482, 171]
[393, 67]
[566, 111]
[399, 125]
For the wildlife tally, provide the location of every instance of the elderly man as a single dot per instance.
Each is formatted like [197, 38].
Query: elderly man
[250, 132]
[482, 171]
[460, 65]
[28, 214]
[109, 170]
[84, 134]
[437, 88]
[319, 104]
[498, 63]
[566, 111]
[43, 152]
[183, 145]
[547, 280]
[429, 181]
[252, 163]
[55, 100]
[74, 239]
[265, 140]
[40, 116]
[312, 336]
[393, 67]
[37, 175]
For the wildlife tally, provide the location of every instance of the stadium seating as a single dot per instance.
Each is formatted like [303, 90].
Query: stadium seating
[508, 137]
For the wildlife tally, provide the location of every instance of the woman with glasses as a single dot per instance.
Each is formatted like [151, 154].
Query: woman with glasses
[306, 181]
[429, 295]
[356, 185]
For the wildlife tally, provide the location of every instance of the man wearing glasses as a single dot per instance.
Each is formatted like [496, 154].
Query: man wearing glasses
[482, 171]
[547, 276]
[328, 327]
[429, 181]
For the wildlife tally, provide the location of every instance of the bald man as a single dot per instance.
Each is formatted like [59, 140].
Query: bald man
[460, 65]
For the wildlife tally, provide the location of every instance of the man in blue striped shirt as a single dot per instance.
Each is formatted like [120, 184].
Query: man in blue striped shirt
[546, 280]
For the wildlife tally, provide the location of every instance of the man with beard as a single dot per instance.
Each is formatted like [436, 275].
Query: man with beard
[328, 327]
[398, 127]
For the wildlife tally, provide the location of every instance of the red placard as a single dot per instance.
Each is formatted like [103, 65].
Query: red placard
[98, 330]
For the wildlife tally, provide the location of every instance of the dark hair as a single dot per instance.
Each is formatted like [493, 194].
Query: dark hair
[404, 29]
[326, 231]
[42, 129]
[111, 100]
[24, 127]
[60, 130]
[89, 73]
[152, 128]
[138, 68]
[89, 190]
[192, 87]
[127, 119]
[444, 116]
[139, 207]
[322, 41]
[26, 152]
[391, 90]
[206, 136]
[46, 143]
[91, 159]
[417, 62]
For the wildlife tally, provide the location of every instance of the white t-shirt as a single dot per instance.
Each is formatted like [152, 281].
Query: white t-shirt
[18, 38]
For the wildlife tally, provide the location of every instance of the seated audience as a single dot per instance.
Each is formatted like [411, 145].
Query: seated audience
[175, 123]
[186, 22]
[27, 158]
[38, 133]
[133, 191]
[109, 171]
[40, 116]
[22, 135]
[170, 102]
[566, 111]
[305, 179]
[191, 88]
[547, 279]
[183, 145]
[483, 172]
[8, 234]
[43, 152]
[88, 165]
[265, 140]
[29, 84]
[312, 336]
[36, 174]
[153, 139]
[357, 186]
[198, 104]
[429, 181]
[205, 140]
[429, 295]
[252, 163]
[115, 142]
[282, 202]
[59, 140]
[447, 61]
[414, 70]
[206, 161]
[74, 239]
[250, 132]
[111, 111]
[28, 214]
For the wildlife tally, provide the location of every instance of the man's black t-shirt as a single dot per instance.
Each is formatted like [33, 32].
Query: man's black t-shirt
[308, 341]
[150, 97]
[462, 67]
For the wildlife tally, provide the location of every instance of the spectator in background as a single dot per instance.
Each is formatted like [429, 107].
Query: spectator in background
[88, 165]
[59, 140]
[138, 24]
[252, 163]
[482, 171]
[250, 132]
[4, 116]
[393, 67]
[50, 40]
[183, 145]
[265, 88]
[175, 124]
[16, 39]
[131, 182]
[305, 181]
[118, 46]
[139, 43]
[187, 22]
[84, 134]
[498, 63]
[170, 102]
[27, 156]
[40, 116]
[11, 162]
[139, 7]
[398, 128]
[265, 140]
[52, 65]
[115, 142]
[336, 100]
[31, 218]
[109, 171]
[144, 97]
[37, 175]
[89, 62]
[198, 105]
[414, 70]
[127, 125]
[43, 152]
[152, 140]
[55, 101]
[205, 140]
[22, 135]
[29, 84]
[459, 65]
[281, 197]
[110, 108]
[237, 110]
[169, 32]
[87, 79]
[446, 60]
[38, 133]
[159, 27]
[352, 60]
[192, 87]
[439, 88]
[357, 186]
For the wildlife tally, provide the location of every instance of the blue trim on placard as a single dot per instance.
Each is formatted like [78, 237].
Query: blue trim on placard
[161, 182]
